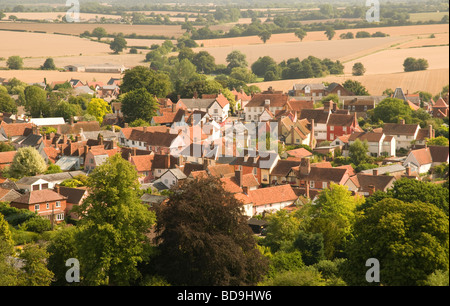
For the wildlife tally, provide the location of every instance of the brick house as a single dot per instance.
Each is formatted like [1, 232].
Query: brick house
[45, 203]
[341, 124]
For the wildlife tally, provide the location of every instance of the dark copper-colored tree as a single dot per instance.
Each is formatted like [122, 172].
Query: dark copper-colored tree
[205, 239]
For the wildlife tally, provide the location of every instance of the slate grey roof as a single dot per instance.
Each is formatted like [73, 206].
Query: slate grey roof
[198, 103]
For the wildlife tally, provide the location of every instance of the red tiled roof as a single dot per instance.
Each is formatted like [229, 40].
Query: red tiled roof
[301, 152]
[39, 196]
[142, 162]
[17, 129]
[276, 100]
[271, 195]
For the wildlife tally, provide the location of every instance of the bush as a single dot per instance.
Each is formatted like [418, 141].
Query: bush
[36, 224]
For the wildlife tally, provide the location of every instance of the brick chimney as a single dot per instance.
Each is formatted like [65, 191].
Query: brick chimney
[430, 131]
[57, 189]
[371, 189]
[375, 172]
[305, 166]
[311, 137]
[238, 175]
[307, 190]
[408, 170]
[166, 161]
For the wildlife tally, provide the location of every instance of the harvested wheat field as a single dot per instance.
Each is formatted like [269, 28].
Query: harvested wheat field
[78, 28]
[57, 15]
[334, 50]
[428, 80]
[46, 45]
[34, 76]
[391, 61]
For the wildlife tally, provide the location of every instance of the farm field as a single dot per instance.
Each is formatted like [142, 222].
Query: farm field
[391, 61]
[431, 80]
[78, 28]
[32, 76]
[56, 15]
[436, 16]
[334, 49]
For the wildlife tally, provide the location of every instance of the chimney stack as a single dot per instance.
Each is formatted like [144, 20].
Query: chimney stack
[371, 189]
[375, 172]
[408, 170]
[167, 161]
[305, 166]
[57, 189]
[307, 190]
[239, 177]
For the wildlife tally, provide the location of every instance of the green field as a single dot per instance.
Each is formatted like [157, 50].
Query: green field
[436, 16]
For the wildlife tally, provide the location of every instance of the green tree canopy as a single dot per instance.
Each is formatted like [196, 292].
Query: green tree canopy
[139, 104]
[118, 44]
[14, 62]
[410, 241]
[156, 83]
[356, 87]
[36, 103]
[236, 59]
[204, 238]
[7, 104]
[98, 108]
[113, 226]
[389, 110]
[27, 162]
[358, 151]
[49, 64]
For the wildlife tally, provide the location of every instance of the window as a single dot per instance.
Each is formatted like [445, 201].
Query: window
[166, 181]
[58, 203]
[91, 160]
[132, 142]
[311, 184]
[332, 128]
[332, 136]
[47, 206]
[344, 129]
[255, 171]
[297, 140]
[365, 107]
[44, 186]
[60, 217]
[216, 111]
[35, 187]
[324, 185]
[36, 207]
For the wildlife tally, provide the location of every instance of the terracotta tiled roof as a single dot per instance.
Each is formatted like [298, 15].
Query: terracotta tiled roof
[7, 157]
[142, 162]
[369, 136]
[199, 174]
[319, 116]
[40, 196]
[17, 129]
[221, 170]
[400, 129]
[299, 153]
[230, 185]
[283, 167]
[276, 100]
[341, 120]
[127, 131]
[271, 195]
[298, 105]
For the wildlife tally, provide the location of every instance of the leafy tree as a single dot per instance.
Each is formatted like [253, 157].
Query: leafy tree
[5, 234]
[98, 108]
[358, 69]
[408, 190]
[389, 110]
[36, 224]
[410, 240]
[14, 62]
[61, 247]
[330, 32]
[99, 32]
[53, 169]
[49, 64]
[282, 230]
[311, 247]
[139, 104]
[333, 215]
[204, 62]
[36, 103]
[7, 104]
[300, 33]
[6, 147]
[67, 110]
[438, 141]
[186, 53]
[113, 226]
[243, 74]
[437, 278]
[358, 151]
[139, 122]
[200, 86]
[264, 35]
[118, 44]
[413, 64]
[308, 276]
[27, 162]
[35, 266]
[356, 87]
[236, 59]
[214, 245]
[262, 64]
[156, 83]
